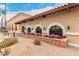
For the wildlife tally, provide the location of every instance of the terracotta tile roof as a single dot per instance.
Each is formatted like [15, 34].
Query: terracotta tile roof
[57, 9]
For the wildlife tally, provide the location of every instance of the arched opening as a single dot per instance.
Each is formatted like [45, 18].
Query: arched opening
[55, 29]
[28, 30]
[39, 30]
[23, 29]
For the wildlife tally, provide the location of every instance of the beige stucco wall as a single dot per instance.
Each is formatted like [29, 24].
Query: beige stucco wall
[18, 17]
[63, 18]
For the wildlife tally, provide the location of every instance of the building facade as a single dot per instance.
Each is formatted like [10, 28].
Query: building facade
[11, 27]
[63, 20]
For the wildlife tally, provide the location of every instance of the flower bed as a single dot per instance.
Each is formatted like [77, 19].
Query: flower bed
[30, 33]
[38, 34]
[56, 36]
[54, 41]
[50, 36]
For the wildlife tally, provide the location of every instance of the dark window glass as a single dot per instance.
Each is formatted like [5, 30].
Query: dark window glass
[29, 30]
[39, 30]
[23, 29]
[55, 30]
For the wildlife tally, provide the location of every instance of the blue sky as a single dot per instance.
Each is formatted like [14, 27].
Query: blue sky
[27, 6]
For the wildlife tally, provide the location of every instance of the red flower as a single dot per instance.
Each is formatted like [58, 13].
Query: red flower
[56, 36]
[51, 36]
[60, 36]
[32, 33]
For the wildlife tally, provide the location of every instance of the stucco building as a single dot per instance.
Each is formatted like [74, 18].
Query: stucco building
[11, 27]
[63, 20]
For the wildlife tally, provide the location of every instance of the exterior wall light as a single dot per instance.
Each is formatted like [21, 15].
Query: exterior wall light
[44, 28]
[32, 28]
[44, 16]
[31, 19]
[68, 9]
[68, 27]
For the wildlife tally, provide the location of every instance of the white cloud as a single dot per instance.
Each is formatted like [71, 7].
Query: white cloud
[60, 4]
[9, 15]
[37, 11]
[34, 11]
[2, 6]
[1, 17]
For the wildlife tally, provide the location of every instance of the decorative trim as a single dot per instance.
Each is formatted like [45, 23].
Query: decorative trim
[55, 23]
[73, 45]
[68, 27]
[27, 28]
[38, 26]
[72, 33]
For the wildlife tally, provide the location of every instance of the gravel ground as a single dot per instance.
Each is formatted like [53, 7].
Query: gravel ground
[25, 47]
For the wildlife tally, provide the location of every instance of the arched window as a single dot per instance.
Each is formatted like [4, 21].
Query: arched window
[28, 29]
[55, 29]
[12, 26]
[23, 29]
[15, 26]
[39, 30]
